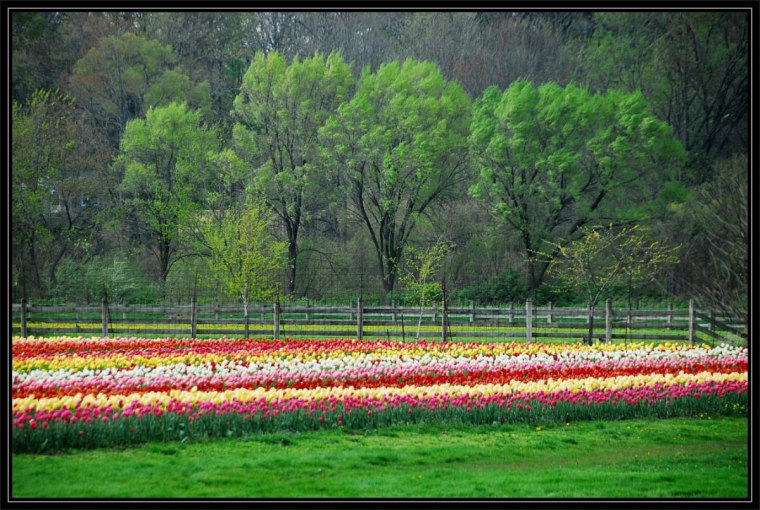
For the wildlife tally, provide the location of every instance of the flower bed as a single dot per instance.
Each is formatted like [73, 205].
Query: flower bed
[86, 392]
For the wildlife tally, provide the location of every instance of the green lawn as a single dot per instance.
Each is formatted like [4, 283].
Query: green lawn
[677, 458]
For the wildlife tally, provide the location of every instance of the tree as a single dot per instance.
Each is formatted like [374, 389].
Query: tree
[368, 38]
[401, 143]
[34, 34]
[608, 255]
[55, 187]
[112, 80]
[279, 110]
[554, 159]
[214, 48]
[244, 254]
[493, 48]
[641, 258]
[714, 266]
[587, 263]
[167, 161]
[691, 67]
[423, 267]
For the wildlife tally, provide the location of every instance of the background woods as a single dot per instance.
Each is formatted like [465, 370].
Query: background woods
[363, 138]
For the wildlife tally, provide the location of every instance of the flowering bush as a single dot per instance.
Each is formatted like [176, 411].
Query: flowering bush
[85, 392]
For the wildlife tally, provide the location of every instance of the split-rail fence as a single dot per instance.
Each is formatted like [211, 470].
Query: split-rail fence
[523, 321]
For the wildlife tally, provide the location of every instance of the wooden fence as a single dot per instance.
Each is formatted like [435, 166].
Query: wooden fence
[361, 321]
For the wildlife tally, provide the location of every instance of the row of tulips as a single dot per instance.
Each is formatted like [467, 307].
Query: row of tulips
[80, 392]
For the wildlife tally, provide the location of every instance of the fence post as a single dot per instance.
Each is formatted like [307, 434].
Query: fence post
[550, 316]
[277, 320]
[23, 318]
[307, 310]
[472, 311]
[670, 314]
[528, 322]
[444, 314]
[359, 319]
[104, 316]
[393, 314]
[193, 319]
[691, 321]
[511, 312]
[608, 321]
[711, 326]
[216, 310]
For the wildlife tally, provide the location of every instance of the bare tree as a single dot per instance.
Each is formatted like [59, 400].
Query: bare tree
[714, 262]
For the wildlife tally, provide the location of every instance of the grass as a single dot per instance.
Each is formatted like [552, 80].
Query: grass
[370, 331]
[675, 458]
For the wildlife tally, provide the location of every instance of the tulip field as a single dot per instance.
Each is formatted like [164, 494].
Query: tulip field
[76, 392]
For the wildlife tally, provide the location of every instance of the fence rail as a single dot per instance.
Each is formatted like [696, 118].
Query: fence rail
[526, 321]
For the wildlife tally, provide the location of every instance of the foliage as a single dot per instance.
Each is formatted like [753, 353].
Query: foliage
[505, 288]
[54, 189]
[554, 159]
[422, 268]
[121, 77]
[688, 69]
[716, 256]
[692, 68]
[641, 258]
[167, 166]
[420, 278]
[213, 47]
[401, 145]
[116, 280]
[279, 111]
[243, 254]
[604, 256]
[588, 263]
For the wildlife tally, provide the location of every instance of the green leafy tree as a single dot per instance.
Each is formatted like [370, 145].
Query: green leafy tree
[279, 111]
[554, 159]
[167, 161]
[422, 269]
[244, 254]
[401, 143]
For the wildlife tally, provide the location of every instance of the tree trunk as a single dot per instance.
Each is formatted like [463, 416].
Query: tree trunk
[35, 266]
[291, 225]
[389, 279]
[388, 271]
[164, 255]
[422, 306]
[245, 312]
[539, 278]
[292, 254]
